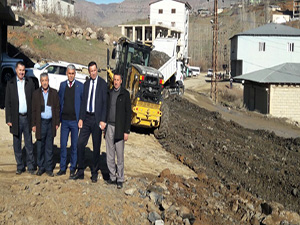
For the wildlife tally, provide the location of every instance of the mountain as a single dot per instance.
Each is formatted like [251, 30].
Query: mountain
[126, 11]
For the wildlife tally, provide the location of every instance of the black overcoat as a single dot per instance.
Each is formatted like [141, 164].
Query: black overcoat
[12, 103]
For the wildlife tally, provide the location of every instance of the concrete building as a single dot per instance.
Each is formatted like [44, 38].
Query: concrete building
[173, 14]
[274, 8]
[254, 2]
[264, 47]
[280, 18]
[274, 91]
[296, 8]
[60, 7]
[147, 33]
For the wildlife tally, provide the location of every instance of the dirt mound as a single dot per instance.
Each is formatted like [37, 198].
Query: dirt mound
[157, 59]
[261, 162]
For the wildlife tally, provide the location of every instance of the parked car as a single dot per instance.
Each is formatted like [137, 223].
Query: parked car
[7, 71]
[195, 70]
[210, 73]
[57, 72]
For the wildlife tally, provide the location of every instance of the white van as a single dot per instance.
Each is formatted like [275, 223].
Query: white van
[195, 70]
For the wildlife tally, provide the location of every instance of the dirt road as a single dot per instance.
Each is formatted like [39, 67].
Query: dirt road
[28, 199]
[198, 90]
[233, 175]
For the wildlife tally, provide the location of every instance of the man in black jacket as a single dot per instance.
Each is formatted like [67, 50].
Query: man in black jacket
[18, 116]
[117, 130]
[91, 121]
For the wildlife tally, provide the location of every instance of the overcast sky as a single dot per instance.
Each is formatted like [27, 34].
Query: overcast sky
[105, 1]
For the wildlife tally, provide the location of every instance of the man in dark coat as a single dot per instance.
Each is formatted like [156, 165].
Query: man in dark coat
[70, 96]
[91, 121]
[18, 116]
[117, 130]
[45, 122]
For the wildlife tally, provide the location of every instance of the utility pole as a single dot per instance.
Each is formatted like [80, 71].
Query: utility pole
[213, 91]
[267, 3]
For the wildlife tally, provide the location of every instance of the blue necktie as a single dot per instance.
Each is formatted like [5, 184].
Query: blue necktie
[91, 97]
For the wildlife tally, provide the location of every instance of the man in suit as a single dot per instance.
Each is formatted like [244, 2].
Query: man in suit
[18, 116]
[117, 130]
[45, 122]
[91, 120]
[70, 96]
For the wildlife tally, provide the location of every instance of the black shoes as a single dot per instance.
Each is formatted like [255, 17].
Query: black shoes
[72, 174]
[110, 182]
[61, 172]
[40, 172]
[19, 172]
[78, 176]
[94, 178]
[32, 172]
[119, 185]
[50, 173]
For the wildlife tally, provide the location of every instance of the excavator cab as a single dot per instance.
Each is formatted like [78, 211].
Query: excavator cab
[127, 53]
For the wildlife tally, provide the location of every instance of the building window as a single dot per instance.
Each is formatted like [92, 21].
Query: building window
[262, 46]
[173, 11]
[159, 23]
[172, 24]
[160, 11]
[291, 47]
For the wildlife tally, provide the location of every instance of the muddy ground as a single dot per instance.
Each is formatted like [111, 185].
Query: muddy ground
[259, 161]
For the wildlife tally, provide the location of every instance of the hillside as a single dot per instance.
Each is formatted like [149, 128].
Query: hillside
[231, 22]
[40, 39]
[128, 10]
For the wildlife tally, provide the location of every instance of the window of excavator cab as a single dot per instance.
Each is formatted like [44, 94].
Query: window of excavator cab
[121, 63]
[137, 56]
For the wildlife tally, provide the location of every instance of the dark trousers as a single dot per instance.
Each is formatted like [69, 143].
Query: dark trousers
[68, 126]
[17, 140]
[45, 146]
[89, 127]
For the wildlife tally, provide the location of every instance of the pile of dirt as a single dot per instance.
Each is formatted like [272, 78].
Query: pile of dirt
[260, 162]
[158, 59]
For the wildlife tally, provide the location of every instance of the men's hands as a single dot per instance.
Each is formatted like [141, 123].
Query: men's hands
[126, 136]
[9, 124]
[80, 123]
[103, 125]
[34, 129]
[56, 127]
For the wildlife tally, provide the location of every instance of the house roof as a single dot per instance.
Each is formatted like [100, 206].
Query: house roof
[286, 73]
[271, 29]
[184, 2]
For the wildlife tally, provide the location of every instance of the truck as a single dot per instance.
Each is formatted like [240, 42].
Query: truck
[195, 70]
[173, 69]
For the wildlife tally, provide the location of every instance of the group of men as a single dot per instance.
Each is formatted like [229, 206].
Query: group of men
[81, 109]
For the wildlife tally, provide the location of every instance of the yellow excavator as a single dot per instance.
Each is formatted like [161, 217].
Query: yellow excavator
[144, 83]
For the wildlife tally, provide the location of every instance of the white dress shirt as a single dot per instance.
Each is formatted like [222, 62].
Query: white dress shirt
[94, 94]
[21, 96]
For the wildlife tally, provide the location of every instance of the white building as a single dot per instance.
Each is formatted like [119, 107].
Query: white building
[173, 14]
[60, 7]
[279, 18]
[274, 90]
[264, 47]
